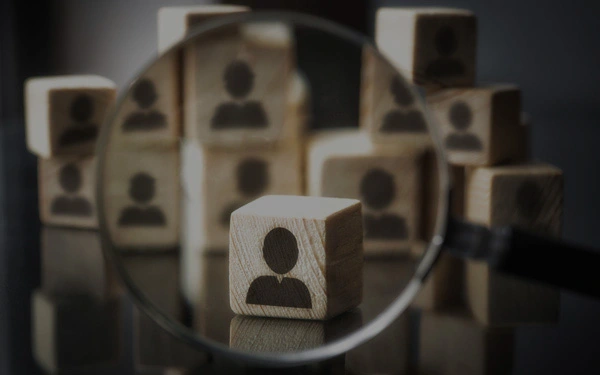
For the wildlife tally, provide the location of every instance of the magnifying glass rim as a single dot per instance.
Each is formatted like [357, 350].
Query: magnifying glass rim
[329, 350]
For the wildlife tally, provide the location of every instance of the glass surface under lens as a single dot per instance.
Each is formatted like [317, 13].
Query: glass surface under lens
[244, 111]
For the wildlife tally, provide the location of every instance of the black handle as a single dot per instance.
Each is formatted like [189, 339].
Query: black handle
[524, 254]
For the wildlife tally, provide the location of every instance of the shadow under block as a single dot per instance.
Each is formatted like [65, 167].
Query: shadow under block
[296, 257]
[480, 126]
[63, 114]
[239, 95]
[345, 164]
[67, 191]
[529, 197]
[70, 333]
[431, 46]
[73, 265]
[141, 194]
[455, 344]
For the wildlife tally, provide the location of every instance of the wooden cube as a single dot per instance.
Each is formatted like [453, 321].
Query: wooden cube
[530, 197]
[480, 126]
[432, 46]
[73, 264]
[296, 257]
[444, 286]
[67, 191]
[141, 197]
[454, 344]
[345, 164]
[63, 114]
[70, 333]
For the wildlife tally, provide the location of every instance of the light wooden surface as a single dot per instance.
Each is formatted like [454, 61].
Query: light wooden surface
[72, 263]
[346, 164]
[431, 46]
[63, 114]
[141, 197]
[67, 188]
[452, 343]
[304, 252]
[480, 126]
[530, 197]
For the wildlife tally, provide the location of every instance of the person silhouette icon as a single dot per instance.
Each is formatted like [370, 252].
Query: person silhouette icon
[70, 181]
[445, 66]
[239, 81]
[141, 190]
[146, 119]
[460, 118]
[397, 120]
[377, 190]
[82, 130]
[252, 176]
[280, 251]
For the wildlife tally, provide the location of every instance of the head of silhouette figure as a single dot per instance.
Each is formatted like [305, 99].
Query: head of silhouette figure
[402, 96]
[239, 79]
[527, 199]
[460, 116]
[82, 108]
[70, 178]
[144, 93]
[252, 176]
[377, 188]
[141, 188]
[445, 41]
[280, 250]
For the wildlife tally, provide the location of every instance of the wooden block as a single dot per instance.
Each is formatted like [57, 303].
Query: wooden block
[345, 164]
[73, 264]
[444, 286]
[70, 333]
[432, 46]
[239, 95]
[480, 126]
[141, 198]
[174, 23]
[530, 197]
[296, 257]
[63, 114]
[455, 344]
[389, 108]
[67, 191]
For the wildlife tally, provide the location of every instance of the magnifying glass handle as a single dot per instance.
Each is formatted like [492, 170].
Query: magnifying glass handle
[512, 250]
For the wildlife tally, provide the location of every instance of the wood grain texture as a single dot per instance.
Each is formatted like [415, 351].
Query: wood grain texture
[72, 263]
[452, 343]
[346, 164]
[527, 196]
[480, 126]
[304, 252]
[433, 47]
[67, 188]
[63, 114]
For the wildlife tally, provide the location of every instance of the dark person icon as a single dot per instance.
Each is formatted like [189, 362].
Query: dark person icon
[239, 81]
[528, 199]
[280, 251]
[81, 130]
[252, 176]
[144, 94]
[398, 120]
[460, 118]
[141, 190]
[377, 190]
[70, 181]
[445, 66]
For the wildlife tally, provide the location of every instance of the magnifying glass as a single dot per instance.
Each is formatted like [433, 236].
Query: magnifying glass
[240, 109]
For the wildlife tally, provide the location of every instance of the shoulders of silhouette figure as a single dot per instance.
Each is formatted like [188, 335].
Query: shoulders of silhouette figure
[232, 115]
[267, 290]
[388, 226]
[78, 134]
[138, 216]
[445, 67]
[464, 142]
[400, 121]
[140, 121]
[75, 206]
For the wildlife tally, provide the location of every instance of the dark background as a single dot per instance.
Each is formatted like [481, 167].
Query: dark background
[548, 48]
